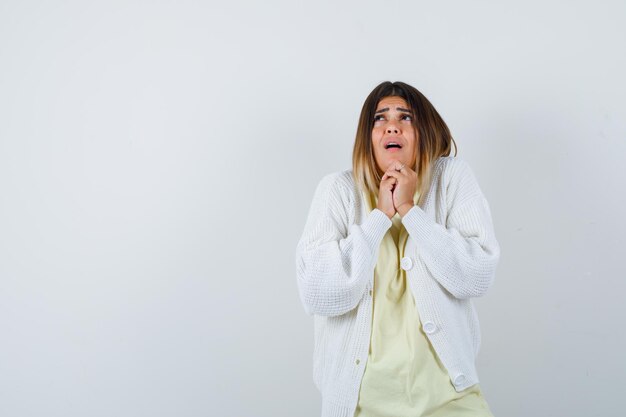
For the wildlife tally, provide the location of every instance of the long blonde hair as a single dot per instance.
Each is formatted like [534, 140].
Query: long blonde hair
[433, 139]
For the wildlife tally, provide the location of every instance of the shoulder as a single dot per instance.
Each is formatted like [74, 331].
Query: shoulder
[452, 165]
[340, 183]
[459, 179]
[453, 171]
[335, 197]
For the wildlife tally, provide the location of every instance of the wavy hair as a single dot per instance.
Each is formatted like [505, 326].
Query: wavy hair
[433, 138]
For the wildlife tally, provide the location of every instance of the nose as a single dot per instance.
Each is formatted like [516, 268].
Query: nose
[393, 129]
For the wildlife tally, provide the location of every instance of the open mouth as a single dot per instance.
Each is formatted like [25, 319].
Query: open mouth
[392, 145]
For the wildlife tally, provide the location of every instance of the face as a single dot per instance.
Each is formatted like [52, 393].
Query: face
[393, 124]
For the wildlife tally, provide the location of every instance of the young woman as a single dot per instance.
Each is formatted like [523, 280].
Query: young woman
[392, 253]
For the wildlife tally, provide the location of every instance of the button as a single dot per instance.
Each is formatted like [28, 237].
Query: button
[430, 327]
[358, 361]
[460, 378]
[370, 292]
[406, 263]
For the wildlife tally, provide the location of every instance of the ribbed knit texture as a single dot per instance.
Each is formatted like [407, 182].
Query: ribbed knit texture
[453, 253]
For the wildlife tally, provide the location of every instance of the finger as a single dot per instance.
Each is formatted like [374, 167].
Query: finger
[394, 174]
[394, 165]
[388, 184]
[389, 180]
[399, 166]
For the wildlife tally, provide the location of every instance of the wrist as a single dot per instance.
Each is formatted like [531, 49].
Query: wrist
[404, 208]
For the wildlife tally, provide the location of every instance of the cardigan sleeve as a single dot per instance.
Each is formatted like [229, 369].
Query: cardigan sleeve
[334, 259]
[461, 255]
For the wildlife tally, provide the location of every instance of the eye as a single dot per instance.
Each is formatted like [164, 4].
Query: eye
[379, 117]
[406, 117]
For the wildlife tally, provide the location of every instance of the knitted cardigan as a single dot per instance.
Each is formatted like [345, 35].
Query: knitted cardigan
[450, 257]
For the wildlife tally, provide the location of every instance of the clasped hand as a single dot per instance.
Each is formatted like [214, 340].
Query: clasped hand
[397, 189]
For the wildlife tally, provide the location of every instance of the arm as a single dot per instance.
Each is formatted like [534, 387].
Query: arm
[463, 255]
[335, 260]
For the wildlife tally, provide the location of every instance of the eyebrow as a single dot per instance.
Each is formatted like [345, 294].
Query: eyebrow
[397, 108]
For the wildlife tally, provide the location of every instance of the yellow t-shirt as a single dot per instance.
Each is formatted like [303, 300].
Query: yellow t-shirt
[403, 374]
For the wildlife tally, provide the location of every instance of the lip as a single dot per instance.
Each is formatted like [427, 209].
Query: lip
[398, 141]
[393, 150]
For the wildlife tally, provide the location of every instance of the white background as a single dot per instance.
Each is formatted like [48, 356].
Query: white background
[158, 160]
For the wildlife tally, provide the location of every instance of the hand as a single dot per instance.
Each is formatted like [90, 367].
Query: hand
[385, 196]
[405, 186]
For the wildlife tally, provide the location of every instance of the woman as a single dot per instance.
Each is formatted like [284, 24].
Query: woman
[392, 253]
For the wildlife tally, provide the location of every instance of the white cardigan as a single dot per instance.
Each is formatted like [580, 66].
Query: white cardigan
[450, 256]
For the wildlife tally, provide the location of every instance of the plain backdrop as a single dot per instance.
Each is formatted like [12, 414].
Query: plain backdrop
[158, 161]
